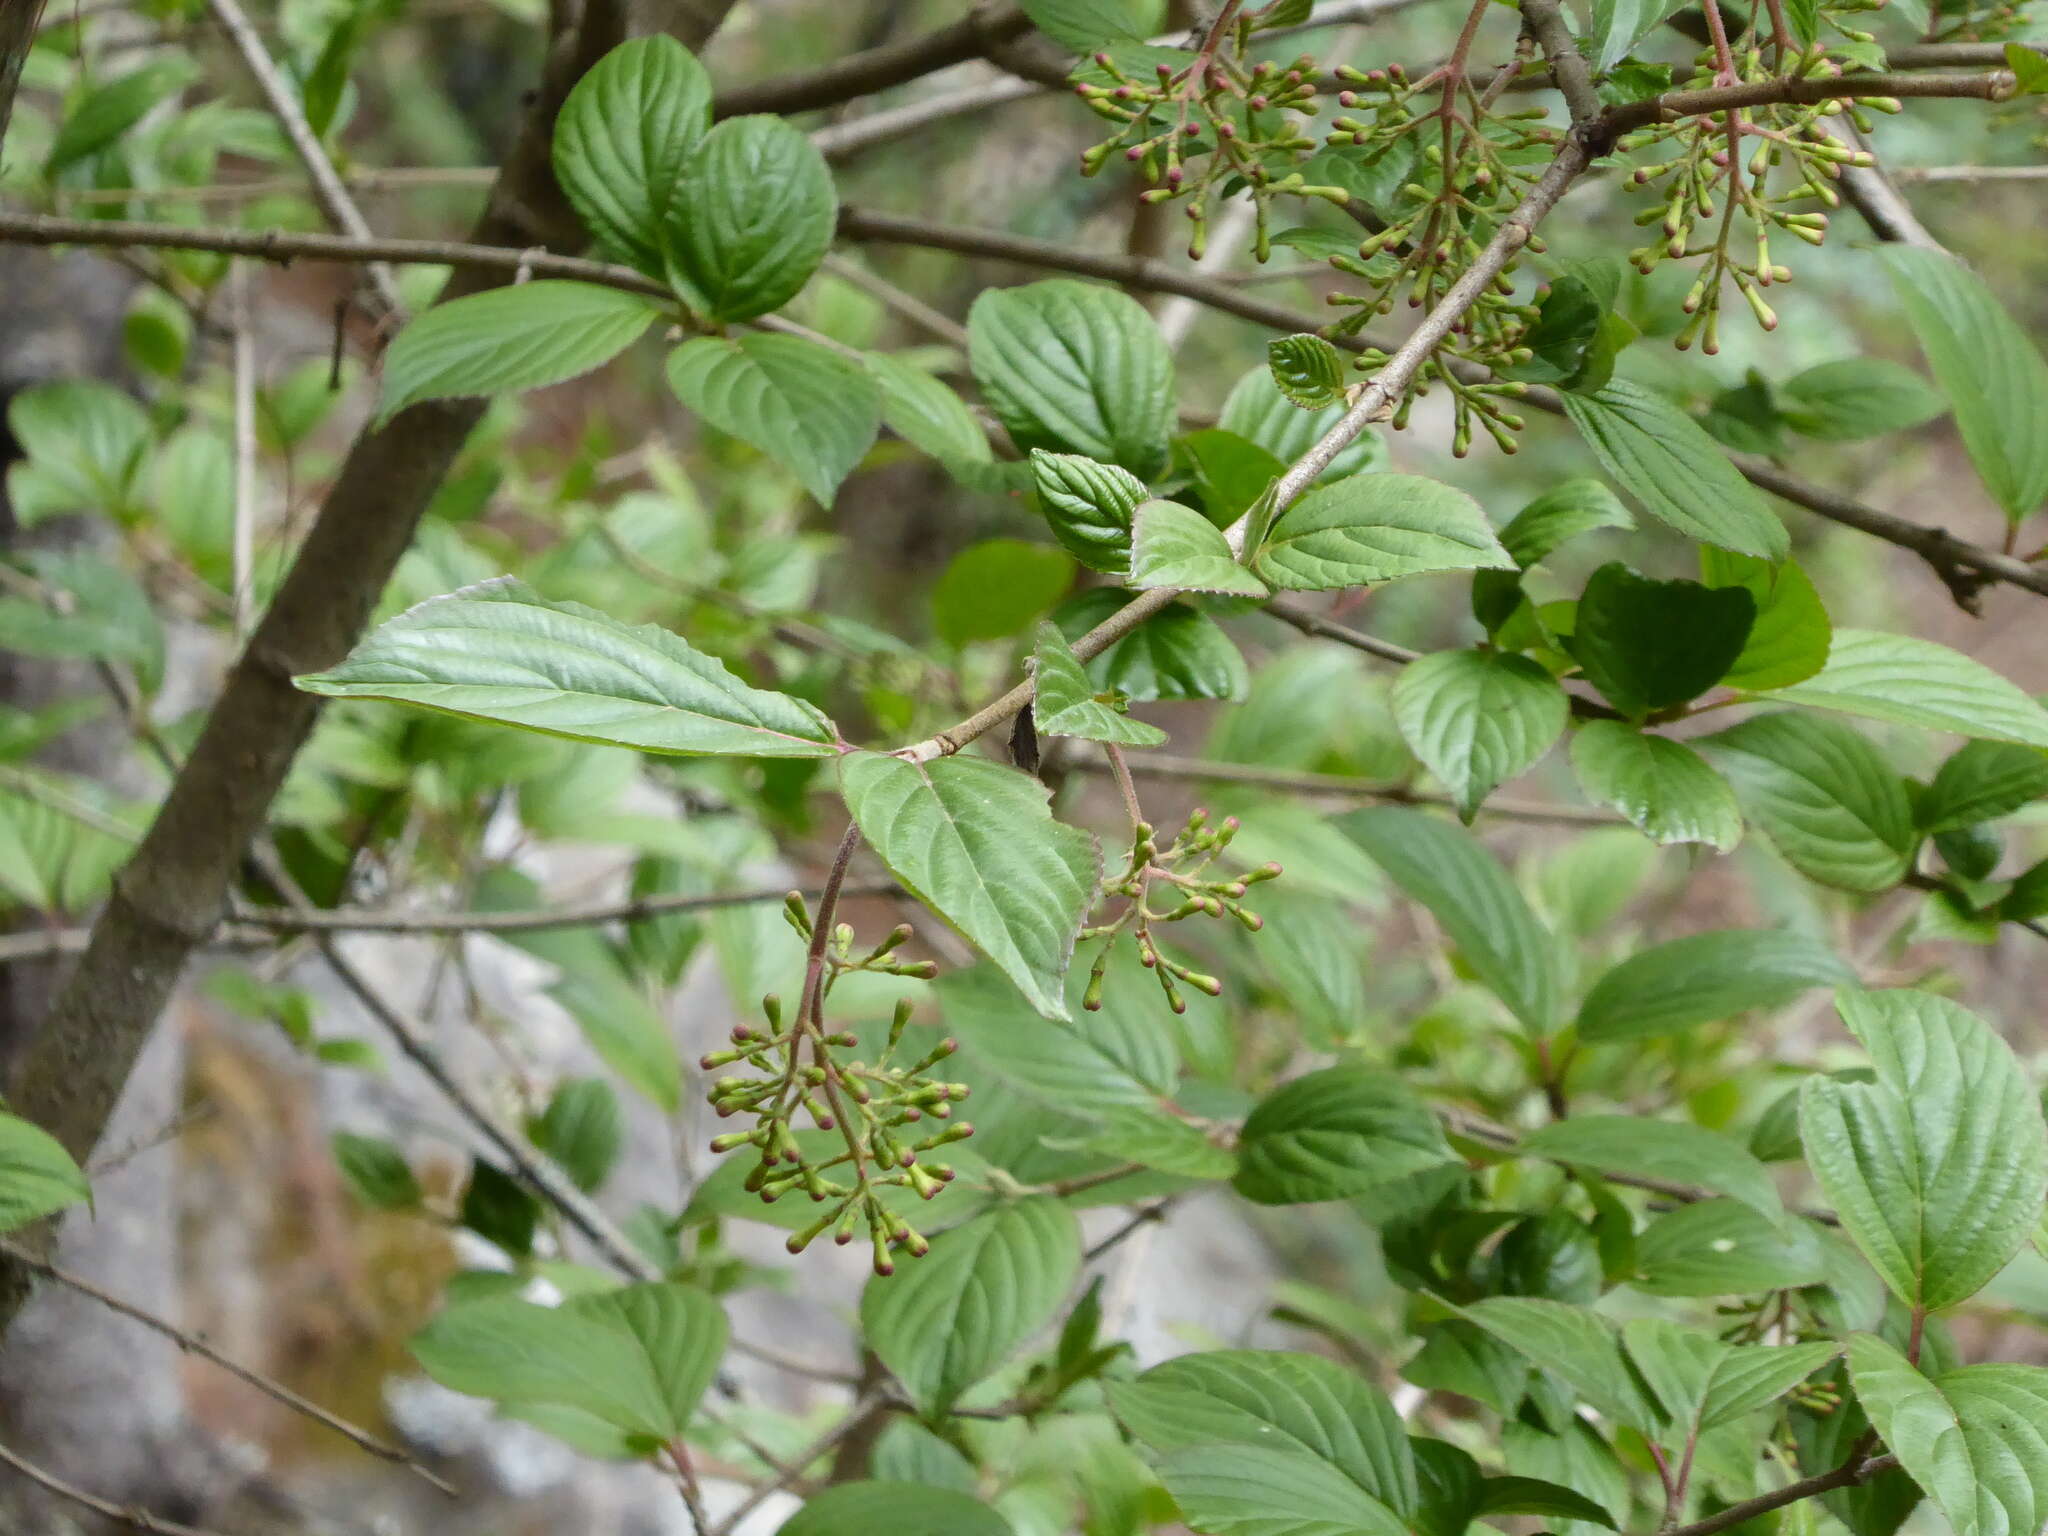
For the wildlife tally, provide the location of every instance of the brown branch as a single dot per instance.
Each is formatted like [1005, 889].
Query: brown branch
[973, 36]
[18, 22]
[1848, 1475]
[1994, 85]
[1568, 68]
[127, 1515]
[192, 1344]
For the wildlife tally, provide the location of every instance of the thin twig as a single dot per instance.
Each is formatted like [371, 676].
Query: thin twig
[525, 920]
[1970, 173]
[193, 1344]
[908, 305]
[128, 1515]
[793, 1468]
[283, 101]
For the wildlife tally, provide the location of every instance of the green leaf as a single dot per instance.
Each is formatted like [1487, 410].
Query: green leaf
[1472, 897]
[1984, 781]
[1535, 1496]
[498, 651]
[1566, 512]
[1992, 373]
[2029, 68]
[506, 339]
[37, 1176]
[1071, 366]
[1334, 1134]
[376, 1172]
[1260, 1490]
[1700, 1381]
[1705, 977]
[1648, 645]
[1160, 1141]
[925, 412]
[1790, 640]
[803, 405]
[629, 1034]
[1089, 507]
[1971, 1437]
[1619, 24]
[1292, 1402]
[1229, 474]
[583, 1129]
[1725, 1248]
[1662, 1149]
[1939, 1168]
[894, 1509]
[1175, 546]
[1307, 370]
[1577, 1345]
[1096, 1065]
[1909, 681]
[1178, 653]
[1084, 26]
[994, 589]
[622, 139]
[84, 440]
[108, 111]
[1374, 528]
[1823, 795]
[1662, 786]
[956, 1314]
[637, 1358]
[1856, 398]
[1666, 461]
[1478, 718]
[499, 1209]
[751, 218]
[976, 843]
[1256, 411]
[1069, 704]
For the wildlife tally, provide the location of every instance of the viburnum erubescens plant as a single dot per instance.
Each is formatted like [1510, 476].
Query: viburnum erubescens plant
[1582, 1222]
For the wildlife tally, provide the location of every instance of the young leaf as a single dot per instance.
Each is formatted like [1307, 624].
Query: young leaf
[501, 652]
[376, 1172]
[1700, 1381]
[1375, 528]
[1478, 718]
[1072, 366]
[1175, 546]
[109, 110]
[1089, 507]
[884, 1508]
[1647, 645]
[1823, 795]
[1265, 1490]
[1307, 371]
[622, 139]
[1666, 461]
[1725, 1248]
[1939, 1168]
[1475, 901]
[1663, 1149]
[975, 842]
[1577, 507]
[1229, 474]
[1909, 681]
[1856, 398]
[1297, 1403]
[1178, 653]
[504, 339]
[1068, 703]
[1334, 1134]
[1970, 1437]
[1992, 373]
[1256, 411]
[750, 220]
[956, 1314]
[804, 406]
[1705, 977]
[37, 1176]
[991, 590]
[1984, 781]
[1663, 786]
